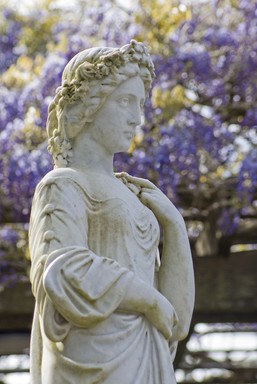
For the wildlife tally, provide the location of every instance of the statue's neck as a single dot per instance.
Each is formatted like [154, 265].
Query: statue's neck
[88, 154]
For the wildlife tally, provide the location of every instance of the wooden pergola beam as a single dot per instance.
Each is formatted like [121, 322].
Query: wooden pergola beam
[226, 288]
[14, 343]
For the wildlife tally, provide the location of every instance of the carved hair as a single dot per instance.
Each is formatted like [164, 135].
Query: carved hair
[87, 80]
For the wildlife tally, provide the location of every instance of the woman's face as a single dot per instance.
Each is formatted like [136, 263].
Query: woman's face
[114, 124]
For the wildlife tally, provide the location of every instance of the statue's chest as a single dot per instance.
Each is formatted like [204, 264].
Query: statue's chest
[122, 215]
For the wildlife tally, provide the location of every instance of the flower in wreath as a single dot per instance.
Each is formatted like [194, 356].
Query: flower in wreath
[117, 59]
[108, 61]
[102, 71]
[67, 90]
[86, 71]
[60, 161]
[66, 149]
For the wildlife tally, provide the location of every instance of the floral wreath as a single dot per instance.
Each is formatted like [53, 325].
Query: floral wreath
[70, 92]
[107, 64]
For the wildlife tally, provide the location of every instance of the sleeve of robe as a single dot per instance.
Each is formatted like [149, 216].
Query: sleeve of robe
[71, 284]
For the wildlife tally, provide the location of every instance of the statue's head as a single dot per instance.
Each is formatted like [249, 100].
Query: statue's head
[87, 81]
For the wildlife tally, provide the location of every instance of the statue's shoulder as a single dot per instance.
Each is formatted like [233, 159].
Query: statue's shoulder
[63, 177]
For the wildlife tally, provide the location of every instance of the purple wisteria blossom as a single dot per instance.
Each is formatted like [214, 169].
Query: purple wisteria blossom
[9, 37]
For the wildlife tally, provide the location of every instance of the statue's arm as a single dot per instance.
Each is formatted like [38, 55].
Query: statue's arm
[175, 276]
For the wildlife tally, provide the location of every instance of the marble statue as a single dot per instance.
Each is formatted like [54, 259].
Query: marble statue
[108, 308]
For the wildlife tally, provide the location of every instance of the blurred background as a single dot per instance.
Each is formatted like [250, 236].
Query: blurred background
[198, 144]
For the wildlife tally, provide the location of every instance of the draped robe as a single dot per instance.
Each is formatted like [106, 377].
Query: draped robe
[85, 254]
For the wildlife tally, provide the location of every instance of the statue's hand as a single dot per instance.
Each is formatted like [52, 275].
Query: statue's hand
[144, 299]
[151, 196]
[162, 315]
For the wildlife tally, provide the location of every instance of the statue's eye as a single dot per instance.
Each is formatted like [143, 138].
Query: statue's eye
[124, 101]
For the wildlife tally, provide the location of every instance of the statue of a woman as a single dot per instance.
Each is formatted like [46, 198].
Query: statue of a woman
[108, 308]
